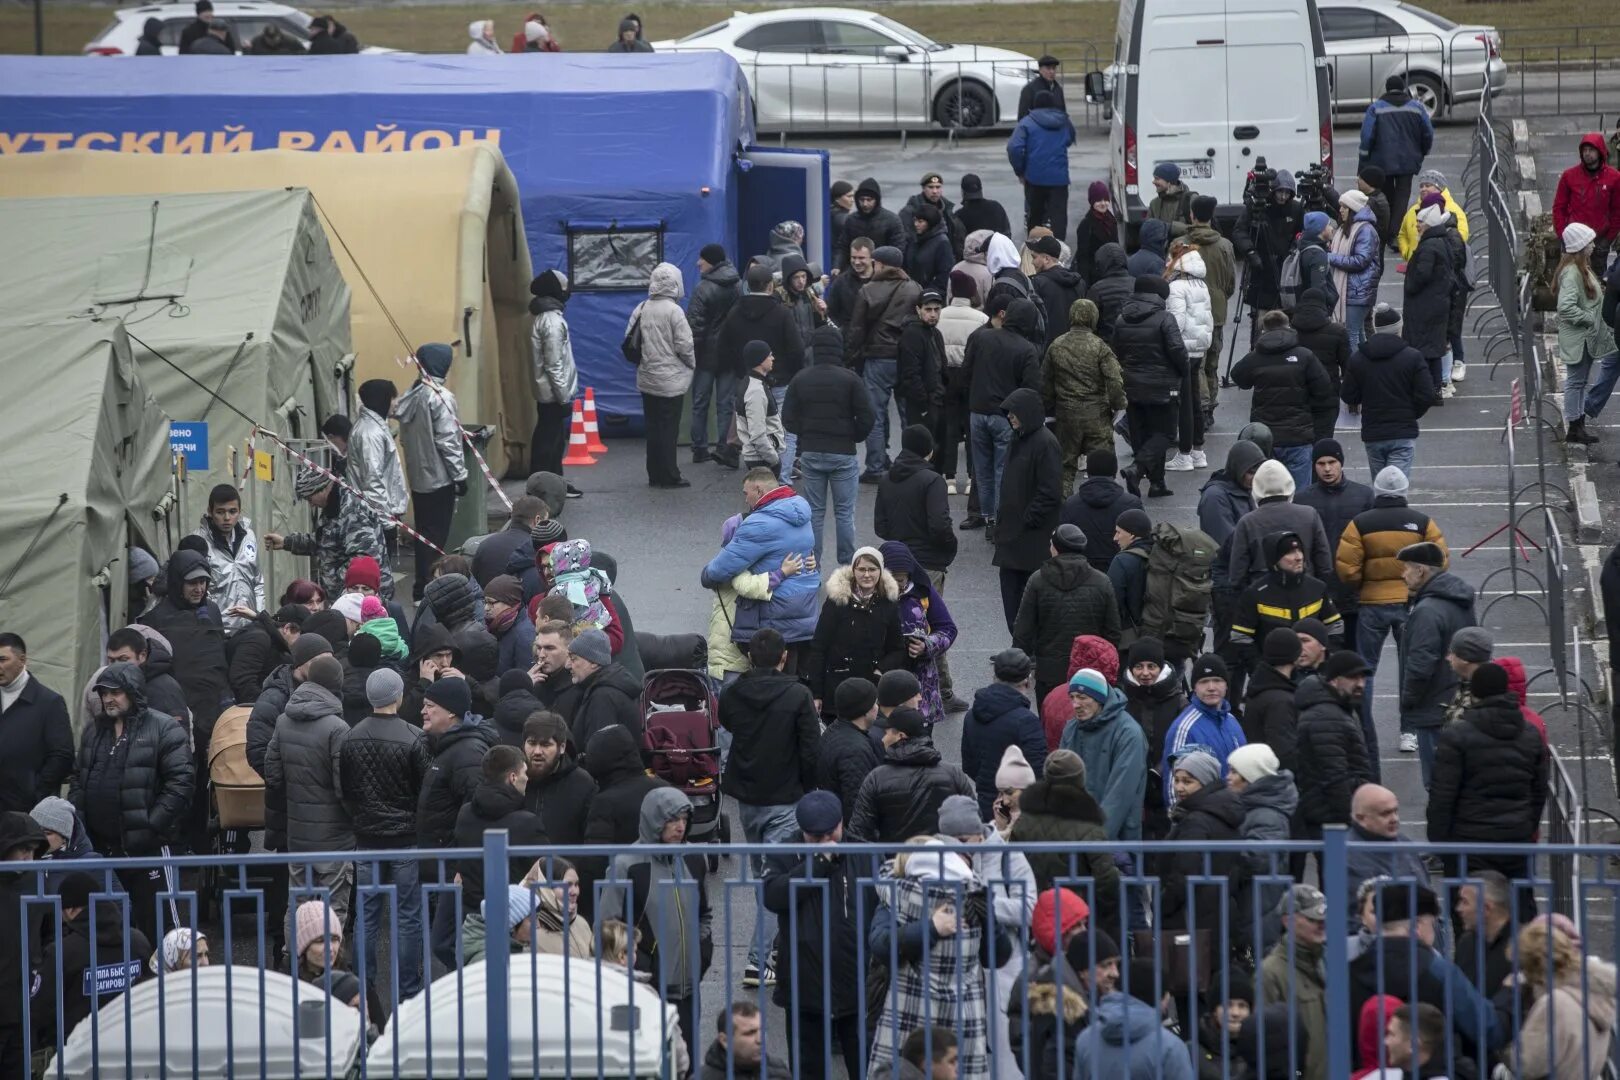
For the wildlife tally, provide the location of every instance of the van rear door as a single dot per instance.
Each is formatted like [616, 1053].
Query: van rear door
[1276, 97]
[1181, 97]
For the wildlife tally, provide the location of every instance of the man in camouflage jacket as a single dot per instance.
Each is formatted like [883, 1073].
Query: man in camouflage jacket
[347, 529]
[1081, 385]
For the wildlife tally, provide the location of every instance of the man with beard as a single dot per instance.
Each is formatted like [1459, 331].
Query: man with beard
[559, 791]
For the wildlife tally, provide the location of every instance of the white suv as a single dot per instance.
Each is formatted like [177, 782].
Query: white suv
[247, 18]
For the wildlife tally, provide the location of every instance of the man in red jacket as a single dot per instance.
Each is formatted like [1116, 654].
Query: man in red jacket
[1589, 192]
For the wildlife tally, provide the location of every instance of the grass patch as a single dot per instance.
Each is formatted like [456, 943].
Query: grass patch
[1077, 32]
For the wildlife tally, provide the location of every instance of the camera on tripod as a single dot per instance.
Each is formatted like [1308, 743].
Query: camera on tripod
[1313, 188]
[1257, 190]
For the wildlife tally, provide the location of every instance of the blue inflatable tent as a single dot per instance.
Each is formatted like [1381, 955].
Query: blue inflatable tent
[623, 161]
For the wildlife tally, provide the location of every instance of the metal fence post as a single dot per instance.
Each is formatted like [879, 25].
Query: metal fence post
[497, 996]
[1336, 885]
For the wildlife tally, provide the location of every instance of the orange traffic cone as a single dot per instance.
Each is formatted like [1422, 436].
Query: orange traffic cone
[593, 435]
[579, 451]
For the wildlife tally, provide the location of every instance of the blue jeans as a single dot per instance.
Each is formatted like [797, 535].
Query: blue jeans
[766, 825]
[789, 448]
[407, 920]
[1396, 452]
[1375, 622]
[880, 379]
[1597, 393]
[1355, 321]
[1298, 460]
[990, 435]
[1426, 737]
[1445, 367]
[719, 387]
[839, 474]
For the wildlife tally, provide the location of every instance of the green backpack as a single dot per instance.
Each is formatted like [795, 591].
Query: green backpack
[1178, 585]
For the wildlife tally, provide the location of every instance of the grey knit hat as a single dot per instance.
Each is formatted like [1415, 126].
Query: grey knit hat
[54, 814]
[1473, 644]
[384, 687]
[1199, 764]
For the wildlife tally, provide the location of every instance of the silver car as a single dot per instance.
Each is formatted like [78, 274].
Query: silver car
[1445, 63]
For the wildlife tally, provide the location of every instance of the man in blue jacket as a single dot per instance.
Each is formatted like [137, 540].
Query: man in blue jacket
[1396, 135]
[1206, 723]
[777, 524]
[1039, 152]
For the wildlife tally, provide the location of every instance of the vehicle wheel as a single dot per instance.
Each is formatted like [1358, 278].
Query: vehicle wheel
[1429, 92]
[964, 105]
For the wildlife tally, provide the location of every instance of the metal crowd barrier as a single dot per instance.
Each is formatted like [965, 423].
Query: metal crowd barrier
[524, 1010]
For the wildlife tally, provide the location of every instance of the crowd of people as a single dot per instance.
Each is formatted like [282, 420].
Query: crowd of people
[1205, 681]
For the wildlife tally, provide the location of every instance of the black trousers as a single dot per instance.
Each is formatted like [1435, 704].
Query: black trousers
[434, 510]
[1048, 206]
[1012, 592]
[1398, 190]
[811, 1031]
[143, 887]
[549, 442]
[663, 417]
[1190, 432]
[1153, 428]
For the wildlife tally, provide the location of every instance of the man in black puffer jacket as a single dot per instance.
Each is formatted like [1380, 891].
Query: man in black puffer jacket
[1490, 777]
[901, 797]
[497, 802]
[257, 649]
[382, 767]
[912, 506]
[871, 220]
[559, 790]
[614, 758]
[1110, 289]
[1270, 713]
[133, 802]
[1153, 360]
[457, 737]
[830, 411]
[1096, 505]
[1330, 754]
[1000, 357]
[1065, 598]
[196, 634]
[1389, 383]
[1291, 389]
[919, 388]
[608, 694]
[1329, 342]
[1032, 491]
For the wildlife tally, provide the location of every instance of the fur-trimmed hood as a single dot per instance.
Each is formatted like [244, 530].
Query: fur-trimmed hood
[841, 586]
[1043, 995]
[1064, 800]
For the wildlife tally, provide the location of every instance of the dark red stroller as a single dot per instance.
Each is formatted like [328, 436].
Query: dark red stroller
[680, 718]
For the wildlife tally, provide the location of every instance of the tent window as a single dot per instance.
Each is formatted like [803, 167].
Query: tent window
[606, 259]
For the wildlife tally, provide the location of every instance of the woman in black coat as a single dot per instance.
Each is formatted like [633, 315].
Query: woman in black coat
[1096, 228]
[858, 633]
[1206, 810]
[1426, 304]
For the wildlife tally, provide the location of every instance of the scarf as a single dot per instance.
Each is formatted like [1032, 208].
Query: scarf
[1344, 244]
[500, 624]
[573, 576]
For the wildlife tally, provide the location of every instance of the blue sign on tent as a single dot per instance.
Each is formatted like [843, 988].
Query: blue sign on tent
[189, 439]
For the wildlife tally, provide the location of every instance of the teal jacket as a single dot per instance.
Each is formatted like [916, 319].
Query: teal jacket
[1114, 748]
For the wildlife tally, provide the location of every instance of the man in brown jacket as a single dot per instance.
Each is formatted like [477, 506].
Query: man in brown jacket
[872, 345]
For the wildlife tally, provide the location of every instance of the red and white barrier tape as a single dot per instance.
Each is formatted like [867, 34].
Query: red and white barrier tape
[350, 488]
[489, 476]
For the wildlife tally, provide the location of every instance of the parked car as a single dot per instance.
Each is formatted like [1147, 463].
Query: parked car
[829, 68]
[247, 18]
[1445, 63]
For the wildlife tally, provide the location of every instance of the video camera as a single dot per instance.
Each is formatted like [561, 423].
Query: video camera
[1258, 188]
[1313, 188]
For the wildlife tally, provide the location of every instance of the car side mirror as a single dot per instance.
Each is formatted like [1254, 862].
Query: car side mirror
[1096, 90]
[899, 54]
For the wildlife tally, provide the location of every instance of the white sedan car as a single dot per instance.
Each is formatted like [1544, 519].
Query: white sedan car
[247, 18]
[825, 69]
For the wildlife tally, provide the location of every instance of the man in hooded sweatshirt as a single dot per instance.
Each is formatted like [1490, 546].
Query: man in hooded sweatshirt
[871, 220]
[1441, 604]
[1110, 287]
[1291, 387]
[554, 376]
[196, 634]
[1039, 152]
[1153, 250]
[660, 889]
[1031, 491]
[976, 212]
[1589, 192]
[303, 779]
[1153, 360]
[1058, 287]
[430, 430]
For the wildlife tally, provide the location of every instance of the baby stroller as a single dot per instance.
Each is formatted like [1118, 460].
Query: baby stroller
[238, 805]
[680, 718]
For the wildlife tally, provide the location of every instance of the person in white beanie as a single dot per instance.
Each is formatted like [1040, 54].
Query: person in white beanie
[536, 37]
[1012, 777]
[1584, 339]
[1357, 259]
[483, 43]
[1274, 512]
[1269, 798]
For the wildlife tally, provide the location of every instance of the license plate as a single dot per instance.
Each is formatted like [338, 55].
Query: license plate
[1197, 169]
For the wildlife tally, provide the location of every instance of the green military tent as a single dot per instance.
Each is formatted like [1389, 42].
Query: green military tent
[87, 474]
[236, 312]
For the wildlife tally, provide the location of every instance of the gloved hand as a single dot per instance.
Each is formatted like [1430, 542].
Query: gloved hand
[1253, 260]
[461, 488]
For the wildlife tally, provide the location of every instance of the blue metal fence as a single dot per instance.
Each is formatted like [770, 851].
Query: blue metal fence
[573, 1015]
